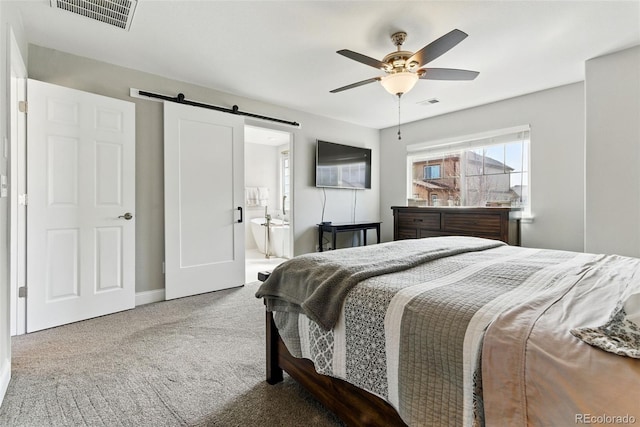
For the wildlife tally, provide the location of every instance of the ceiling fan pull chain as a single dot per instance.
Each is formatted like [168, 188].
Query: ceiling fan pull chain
[399, 133]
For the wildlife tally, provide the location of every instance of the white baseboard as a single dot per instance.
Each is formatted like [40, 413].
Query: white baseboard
[147, 297]
[5, 377]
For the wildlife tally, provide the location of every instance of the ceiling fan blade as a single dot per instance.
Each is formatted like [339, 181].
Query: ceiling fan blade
[352, 85]
[363, 59]
[447, 74]
[437, 47]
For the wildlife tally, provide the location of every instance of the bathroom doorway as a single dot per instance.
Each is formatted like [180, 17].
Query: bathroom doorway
[268, 185]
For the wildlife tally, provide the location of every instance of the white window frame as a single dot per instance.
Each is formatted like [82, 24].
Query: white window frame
[285, 167]
[466, 142]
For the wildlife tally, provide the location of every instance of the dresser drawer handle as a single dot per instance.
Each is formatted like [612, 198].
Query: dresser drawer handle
[417, 219]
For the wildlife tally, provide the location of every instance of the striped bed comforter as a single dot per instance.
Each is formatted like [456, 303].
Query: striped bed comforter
[415, 336]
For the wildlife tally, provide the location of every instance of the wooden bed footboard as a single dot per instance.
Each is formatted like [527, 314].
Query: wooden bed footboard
[353, 405]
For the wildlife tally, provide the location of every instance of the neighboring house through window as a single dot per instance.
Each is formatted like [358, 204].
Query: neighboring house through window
[432, 172]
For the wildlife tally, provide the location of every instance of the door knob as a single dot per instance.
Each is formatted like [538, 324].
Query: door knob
[126, 216]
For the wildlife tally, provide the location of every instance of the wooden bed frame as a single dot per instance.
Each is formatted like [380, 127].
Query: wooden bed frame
[353, 405]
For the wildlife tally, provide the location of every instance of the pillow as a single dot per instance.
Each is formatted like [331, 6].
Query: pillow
[632, 308]
[621, 334]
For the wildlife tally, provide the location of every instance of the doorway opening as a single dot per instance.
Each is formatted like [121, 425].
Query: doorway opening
[268, 199]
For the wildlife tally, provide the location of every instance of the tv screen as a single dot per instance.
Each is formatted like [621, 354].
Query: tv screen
[342, 166]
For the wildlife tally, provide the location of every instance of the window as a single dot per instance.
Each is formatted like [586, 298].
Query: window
[486, 171]
[348, 175]
[432, 172]
[285, 180]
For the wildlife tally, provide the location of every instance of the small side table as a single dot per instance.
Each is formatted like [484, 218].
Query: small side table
[336, 228]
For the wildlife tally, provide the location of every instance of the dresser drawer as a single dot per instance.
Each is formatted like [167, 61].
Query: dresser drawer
[406, 233]
[430, 220]
[476, 224]
[430, 233]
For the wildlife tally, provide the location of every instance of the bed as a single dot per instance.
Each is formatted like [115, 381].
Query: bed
[459, 331]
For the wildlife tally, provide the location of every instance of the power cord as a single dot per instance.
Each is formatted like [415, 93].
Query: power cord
[355, 201]
[325, 240]
[324, 203]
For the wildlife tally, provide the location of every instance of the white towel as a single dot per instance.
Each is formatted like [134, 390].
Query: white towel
[263, 196]
[251, 196]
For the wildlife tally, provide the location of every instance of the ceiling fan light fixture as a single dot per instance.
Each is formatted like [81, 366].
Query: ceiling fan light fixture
[399, 83]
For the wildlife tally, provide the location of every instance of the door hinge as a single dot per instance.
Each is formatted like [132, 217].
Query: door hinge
[22, 292]
[23, 200]
[23, 106]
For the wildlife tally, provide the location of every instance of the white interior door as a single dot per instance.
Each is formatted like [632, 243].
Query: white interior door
[18, 182]
[80, 184]
[204, 198]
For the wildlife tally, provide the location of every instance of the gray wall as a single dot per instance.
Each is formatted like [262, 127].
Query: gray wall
[612, 216]
[106, 79]
[556, 117]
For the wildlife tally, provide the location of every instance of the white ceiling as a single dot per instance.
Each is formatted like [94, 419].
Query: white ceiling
[264, 136]
[284, 52]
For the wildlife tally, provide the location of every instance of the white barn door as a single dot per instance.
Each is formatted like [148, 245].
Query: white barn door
[204, 198]
[81, 200]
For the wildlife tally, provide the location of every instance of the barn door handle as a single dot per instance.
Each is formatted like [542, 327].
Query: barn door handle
[240, 209]
[126, 216]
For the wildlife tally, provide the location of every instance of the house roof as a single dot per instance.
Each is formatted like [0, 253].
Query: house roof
[488, 161]
[432, 185]
[284, 52]
[474, 157]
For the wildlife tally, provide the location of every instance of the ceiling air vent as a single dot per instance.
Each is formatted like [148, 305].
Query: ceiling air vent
[428, 101]
[114, 12]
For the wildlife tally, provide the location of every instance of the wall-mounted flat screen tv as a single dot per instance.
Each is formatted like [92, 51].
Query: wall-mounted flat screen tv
[342, 166]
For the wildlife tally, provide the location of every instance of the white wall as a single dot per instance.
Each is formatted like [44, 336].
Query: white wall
[612, 220]
[114, 81]
[556, 117]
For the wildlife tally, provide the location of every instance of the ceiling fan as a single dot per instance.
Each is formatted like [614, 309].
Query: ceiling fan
[402, 67]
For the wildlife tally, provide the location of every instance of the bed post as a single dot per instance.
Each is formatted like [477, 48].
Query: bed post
[274, 371]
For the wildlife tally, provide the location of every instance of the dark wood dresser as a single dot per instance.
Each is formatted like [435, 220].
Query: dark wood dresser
[491, 223]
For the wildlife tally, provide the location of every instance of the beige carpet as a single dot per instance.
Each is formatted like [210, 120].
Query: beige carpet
[196, 361]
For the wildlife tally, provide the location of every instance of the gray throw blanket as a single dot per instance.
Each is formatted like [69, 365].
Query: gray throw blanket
[317, 284]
